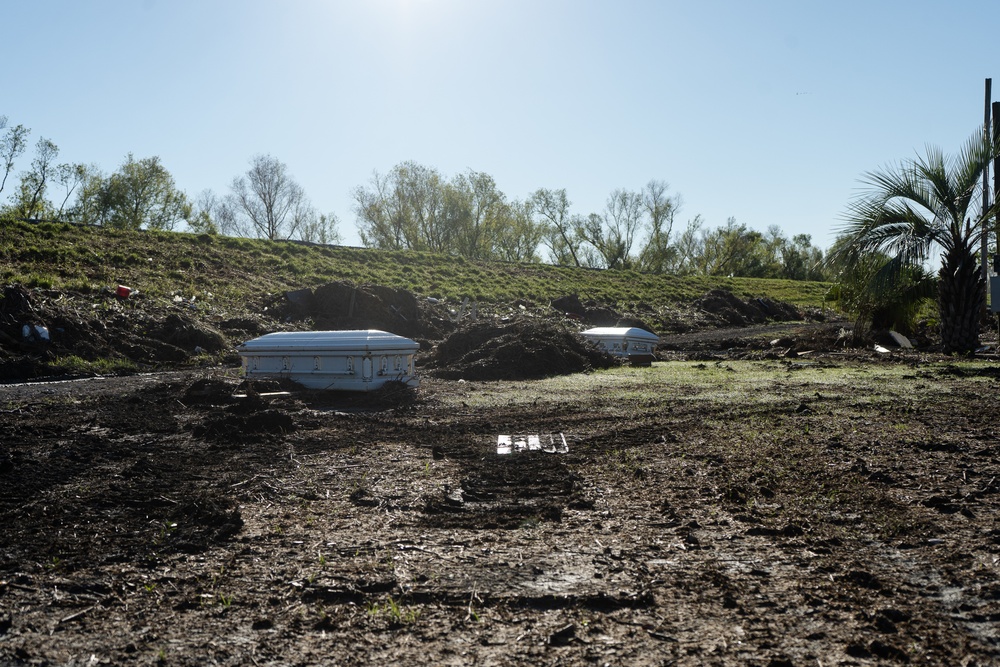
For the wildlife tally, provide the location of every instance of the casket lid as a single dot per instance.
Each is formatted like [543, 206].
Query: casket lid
[621, 332]
[363, 340]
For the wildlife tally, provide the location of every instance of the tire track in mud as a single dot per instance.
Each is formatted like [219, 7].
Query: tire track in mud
[506, 491]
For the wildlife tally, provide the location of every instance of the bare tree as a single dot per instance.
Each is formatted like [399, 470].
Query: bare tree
[408, 209]
[382, 221]
[204, 217]
[266, 202]
[70, 177]
[519, 238]
[690, 248]
[659, 207]
[613, 233]
[422, 189]
[94, 201]
[320, 228]
[12, 145]
[31, 202]
[485, 213]
[553, 208]
[659, 254]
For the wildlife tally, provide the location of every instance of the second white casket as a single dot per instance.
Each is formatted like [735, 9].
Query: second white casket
[635, 344]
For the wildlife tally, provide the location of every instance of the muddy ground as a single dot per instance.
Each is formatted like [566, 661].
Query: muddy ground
[750, 509]
[158, 519]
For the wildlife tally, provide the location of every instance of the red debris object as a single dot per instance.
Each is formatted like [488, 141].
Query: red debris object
[123, 292]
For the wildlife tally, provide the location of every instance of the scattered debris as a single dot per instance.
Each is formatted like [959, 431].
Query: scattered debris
[35, 333]
[513, 444]
[901, 340]
[472, 312]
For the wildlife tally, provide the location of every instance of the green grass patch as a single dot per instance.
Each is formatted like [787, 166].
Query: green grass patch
[74, 365]
[59, 256]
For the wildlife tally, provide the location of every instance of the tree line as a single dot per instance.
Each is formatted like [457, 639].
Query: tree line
[265, 202]
[414, 207]
[411, 207]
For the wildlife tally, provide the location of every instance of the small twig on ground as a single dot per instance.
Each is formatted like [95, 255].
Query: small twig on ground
[233, 486]
[473, 596]
[73, 617]
[427, 551]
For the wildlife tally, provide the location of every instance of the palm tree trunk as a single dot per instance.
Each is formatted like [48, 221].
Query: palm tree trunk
[961, 297]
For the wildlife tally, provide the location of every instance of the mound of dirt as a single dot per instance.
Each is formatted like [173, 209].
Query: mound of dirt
[595, 314]
[188, 334]
[343, 305]
[521, 350]
[727, 309]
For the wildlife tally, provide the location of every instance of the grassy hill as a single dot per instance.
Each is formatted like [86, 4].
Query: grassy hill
[237, 271]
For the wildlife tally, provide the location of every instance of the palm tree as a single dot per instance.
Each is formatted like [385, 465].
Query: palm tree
[920, 205]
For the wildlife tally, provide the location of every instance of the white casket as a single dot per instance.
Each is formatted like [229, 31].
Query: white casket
[360, 360]
[632, 343]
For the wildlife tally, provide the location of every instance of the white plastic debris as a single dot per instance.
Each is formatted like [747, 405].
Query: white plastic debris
[901, 340]
[550, 443]
[35, 332]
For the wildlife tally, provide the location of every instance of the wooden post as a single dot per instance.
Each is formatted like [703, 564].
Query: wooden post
[996, 177]
[986, 186]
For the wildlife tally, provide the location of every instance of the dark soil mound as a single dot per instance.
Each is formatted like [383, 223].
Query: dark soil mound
[189, 334]
[727, 309]
[244, 424]
[46, 333]
[343, 305]
[524, 349]
[595, 314]
[40, 327]
[209, 391]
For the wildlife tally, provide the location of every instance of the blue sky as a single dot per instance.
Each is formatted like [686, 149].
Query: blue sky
[765, 111]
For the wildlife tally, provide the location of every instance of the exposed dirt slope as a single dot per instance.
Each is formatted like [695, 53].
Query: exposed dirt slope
[45, 333]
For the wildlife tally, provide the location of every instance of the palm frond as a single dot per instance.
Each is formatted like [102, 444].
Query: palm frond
[969, 162]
